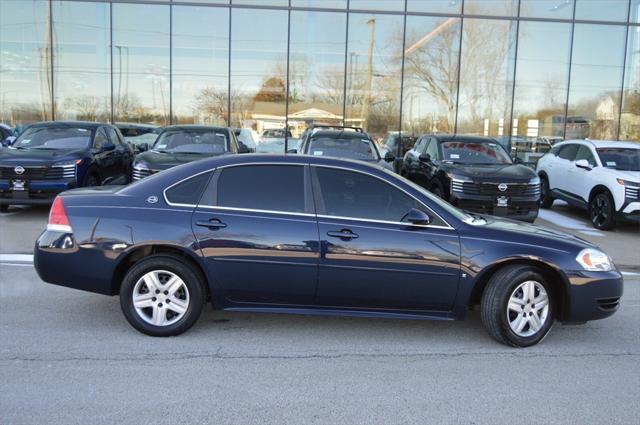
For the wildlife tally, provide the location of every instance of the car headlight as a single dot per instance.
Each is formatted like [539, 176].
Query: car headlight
[68, 164]
[628, 183]
[594, 260]
[535, 180]
[141, 166]
[458, 177]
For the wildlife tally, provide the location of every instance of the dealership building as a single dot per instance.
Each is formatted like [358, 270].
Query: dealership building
[510, 69]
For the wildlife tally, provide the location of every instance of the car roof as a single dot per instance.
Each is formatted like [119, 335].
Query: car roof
[134, 125]
[602, 143]
[461, 138]
[195, 127]
[63, 124]
[346, 134]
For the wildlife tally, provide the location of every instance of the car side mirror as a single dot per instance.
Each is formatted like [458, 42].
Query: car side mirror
[242, 148]
[292, 151]
[518, 160]
[389, 157]
[417, 217]
[143, 147]
[9, 140]
[583, 163]
[425, 157]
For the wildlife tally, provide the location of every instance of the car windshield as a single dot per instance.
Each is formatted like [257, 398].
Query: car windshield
[275, 133]
[54, 138]
[351, 148]
[200, 141]
[623, 159]
[474, 153]
[272, 146]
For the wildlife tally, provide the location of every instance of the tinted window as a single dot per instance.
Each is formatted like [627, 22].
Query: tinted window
[568, 152]
[585, 153]
[113, 135]
[350, 194]
[101, 139]
[627, 159]
[474, 153]
[189, 191]
[262, 187]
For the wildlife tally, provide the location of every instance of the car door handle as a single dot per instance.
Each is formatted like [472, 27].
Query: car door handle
[342, 234]
[213, 223]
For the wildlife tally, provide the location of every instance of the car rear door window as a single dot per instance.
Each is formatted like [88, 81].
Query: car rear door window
[568, 152]
[188, 192]
[278, 188]
[356, 195]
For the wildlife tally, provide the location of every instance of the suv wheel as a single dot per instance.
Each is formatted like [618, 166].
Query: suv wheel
[517, 306]
[546, 200]
[162, 296]
[602, 211]
[90, 180]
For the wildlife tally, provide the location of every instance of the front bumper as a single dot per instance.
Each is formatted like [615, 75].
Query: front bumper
[630, 211]
[592, 295]
[37, 192]
[518, 208]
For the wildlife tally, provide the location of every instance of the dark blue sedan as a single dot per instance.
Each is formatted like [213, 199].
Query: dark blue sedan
[304, 234]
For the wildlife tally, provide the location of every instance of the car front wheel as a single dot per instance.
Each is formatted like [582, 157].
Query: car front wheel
[602, 211]
[517, 306]
[546, 200]
[162, 296]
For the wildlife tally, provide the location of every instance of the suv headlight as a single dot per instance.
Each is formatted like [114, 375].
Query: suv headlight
[628, 183]
[68, 164]
[535, 180]
[594, 260]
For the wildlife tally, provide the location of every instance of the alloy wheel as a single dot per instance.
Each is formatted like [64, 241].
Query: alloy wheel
[528, 308]
[160, 298]
[599, 210]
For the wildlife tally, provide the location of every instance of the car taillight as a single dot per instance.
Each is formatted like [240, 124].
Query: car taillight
[58, 219]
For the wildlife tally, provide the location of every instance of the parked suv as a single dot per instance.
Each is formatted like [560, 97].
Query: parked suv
[51, 157]
[475, 174]
[397, 145]
[602, 177]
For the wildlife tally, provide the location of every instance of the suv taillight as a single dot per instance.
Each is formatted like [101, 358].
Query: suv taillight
[58, 219]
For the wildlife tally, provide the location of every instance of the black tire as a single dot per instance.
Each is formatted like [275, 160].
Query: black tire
[602, 211]
[192, 280]
[546, 200]
[4, 208]
[494, 305]
[91, 179]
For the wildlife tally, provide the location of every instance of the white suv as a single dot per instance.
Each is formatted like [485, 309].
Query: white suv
[601, 176]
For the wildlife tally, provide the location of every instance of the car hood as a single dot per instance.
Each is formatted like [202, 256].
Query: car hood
[38, 157]
[633, 176]
[505, 229]
[162, 161]
[492, 173]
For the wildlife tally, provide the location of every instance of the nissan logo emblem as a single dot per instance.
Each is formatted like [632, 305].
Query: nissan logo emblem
[19, 170]
[502, 187]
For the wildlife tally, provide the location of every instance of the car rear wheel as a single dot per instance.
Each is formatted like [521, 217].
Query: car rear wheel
[602, 211]
[162, 296]
[546, 200]
[517, 306]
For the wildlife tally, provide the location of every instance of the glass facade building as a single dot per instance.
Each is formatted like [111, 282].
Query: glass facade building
[510, 69]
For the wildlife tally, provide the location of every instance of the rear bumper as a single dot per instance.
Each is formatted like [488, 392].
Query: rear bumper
[59, 260]
[592, 295]
[39, 192]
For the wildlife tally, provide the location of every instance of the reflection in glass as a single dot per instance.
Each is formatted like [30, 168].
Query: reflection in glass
[430, 74]
[596, 78]
[393, 5]
[491, 7]
[259, 71]
[373, 72]
[200, 65]
[81, 66]
[542, 75]
[486, 77]
[609, 10]
[141, 63]
[25, 62]
[316, 69]
[435, 6]
[553, 9]
[327, 4]
[630, 115]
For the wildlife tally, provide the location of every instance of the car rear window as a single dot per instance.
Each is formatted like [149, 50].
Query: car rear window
[262, 187]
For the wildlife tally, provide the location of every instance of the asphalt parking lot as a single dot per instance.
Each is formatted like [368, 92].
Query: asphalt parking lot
[67, 356]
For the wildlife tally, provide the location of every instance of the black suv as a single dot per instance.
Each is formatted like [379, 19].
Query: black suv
[179, 144]
[51, 157]
[475, 174]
